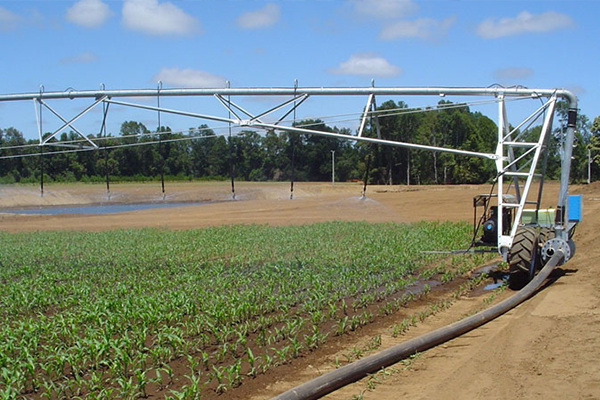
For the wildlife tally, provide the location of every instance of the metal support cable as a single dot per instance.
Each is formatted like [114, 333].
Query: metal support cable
[231, 160]
[369, 156]
[77, 141]
[42, 171]
[103, 131]
[160, 145]
[293, 146]
[546, 150]
[41, 148]
[106, 173]
[357, 116]
[78, 150]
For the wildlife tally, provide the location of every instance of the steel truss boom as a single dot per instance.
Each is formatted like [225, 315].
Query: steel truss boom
[311, 91]
[509, 143]
[255, 122]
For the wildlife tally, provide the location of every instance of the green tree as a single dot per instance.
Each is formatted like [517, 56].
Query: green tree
[13, 169]
[129, 158]
[581, 143]
[275, 158]
[594, 146]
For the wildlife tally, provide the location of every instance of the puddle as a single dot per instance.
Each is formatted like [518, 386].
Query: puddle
[98, 209]
[493, 286]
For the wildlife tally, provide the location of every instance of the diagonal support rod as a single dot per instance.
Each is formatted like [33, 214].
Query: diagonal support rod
[293, 109]
[228, 105]
[546, 128]
[534, 114]
[70, 122]
[37, 109]
[373, 140]
[511, 152]
[371, 107]
[506, 241]
[176, 112]
[67, 123]
[300, 98]
[512, 164]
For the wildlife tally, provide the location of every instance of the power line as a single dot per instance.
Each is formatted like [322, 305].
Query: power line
[120, 146]
[105, 138]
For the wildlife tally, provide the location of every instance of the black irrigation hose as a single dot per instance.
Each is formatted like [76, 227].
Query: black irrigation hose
[338, 378]
[293, 169]
[231, 165]
[366, 179]
[162, 166]
[103, 131]
[232, 176]
[106, 173]
[42, 171]
[160, 146]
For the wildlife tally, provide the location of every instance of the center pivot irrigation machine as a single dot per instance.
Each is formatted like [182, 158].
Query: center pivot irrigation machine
[511, 220]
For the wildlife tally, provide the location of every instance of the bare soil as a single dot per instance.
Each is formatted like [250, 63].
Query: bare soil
[546, 348]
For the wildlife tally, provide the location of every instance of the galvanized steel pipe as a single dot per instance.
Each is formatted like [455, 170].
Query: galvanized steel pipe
[286, 91]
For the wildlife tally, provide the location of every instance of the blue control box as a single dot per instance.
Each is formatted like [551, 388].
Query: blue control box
[575, 207]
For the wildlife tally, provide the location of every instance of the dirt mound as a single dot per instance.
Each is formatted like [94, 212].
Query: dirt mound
[591, 189]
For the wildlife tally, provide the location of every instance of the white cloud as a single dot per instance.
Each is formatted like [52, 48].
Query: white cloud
[189, 78]
[8, 20]
[263, 18]
[88, 13]
[385, 9]
[513, 73]
[154, 18]
[422, 28]
[525, 22]
[83, 58]
[367, 64]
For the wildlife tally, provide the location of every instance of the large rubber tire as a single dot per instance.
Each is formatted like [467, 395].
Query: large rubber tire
[545, 235]
[523, 258]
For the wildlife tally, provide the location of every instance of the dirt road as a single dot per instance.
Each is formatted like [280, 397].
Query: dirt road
[546, 348]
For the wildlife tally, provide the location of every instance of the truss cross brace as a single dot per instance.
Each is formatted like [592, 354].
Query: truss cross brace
[371, 107]
[68, 123]
[530, 158]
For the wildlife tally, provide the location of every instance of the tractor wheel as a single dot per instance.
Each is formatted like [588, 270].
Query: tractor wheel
[523, 258]
[545, 235]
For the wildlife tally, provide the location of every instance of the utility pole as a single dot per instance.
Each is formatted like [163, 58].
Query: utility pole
[589, 179]
[332, 167]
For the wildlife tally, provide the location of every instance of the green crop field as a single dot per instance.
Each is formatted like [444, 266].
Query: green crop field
[186, 314]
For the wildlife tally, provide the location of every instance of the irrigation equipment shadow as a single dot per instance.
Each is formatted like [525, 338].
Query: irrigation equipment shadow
[556, 274]
[498, 276]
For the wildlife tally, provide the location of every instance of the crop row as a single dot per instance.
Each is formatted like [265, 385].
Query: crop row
[180, 314]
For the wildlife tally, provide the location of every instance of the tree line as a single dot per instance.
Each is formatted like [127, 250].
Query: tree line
[136, 154]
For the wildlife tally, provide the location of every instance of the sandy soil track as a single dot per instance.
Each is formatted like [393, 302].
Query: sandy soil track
[547, 348]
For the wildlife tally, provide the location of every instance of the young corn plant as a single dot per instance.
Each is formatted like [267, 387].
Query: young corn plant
[219, 376]
[96, 312]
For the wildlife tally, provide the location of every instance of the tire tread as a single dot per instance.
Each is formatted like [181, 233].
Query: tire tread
[520, 256]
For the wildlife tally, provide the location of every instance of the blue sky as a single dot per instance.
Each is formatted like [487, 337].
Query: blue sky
[203, 43]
